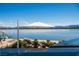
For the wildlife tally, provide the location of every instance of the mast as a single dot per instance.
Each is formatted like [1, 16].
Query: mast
[17, 34]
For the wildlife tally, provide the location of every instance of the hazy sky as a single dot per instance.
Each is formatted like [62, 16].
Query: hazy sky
[53, 14]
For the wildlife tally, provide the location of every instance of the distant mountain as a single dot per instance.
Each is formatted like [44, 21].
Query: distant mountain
[67, 27]
[6, 27]
[39, 25]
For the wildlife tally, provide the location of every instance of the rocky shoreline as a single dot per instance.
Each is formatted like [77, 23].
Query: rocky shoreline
[29, 43]
[38, 43]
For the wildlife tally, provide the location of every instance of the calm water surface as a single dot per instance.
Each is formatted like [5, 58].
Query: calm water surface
[52, 34]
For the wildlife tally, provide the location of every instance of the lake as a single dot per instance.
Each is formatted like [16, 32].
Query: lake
[51, 34]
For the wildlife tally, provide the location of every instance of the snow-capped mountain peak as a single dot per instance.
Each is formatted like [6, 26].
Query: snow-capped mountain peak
[39, 24]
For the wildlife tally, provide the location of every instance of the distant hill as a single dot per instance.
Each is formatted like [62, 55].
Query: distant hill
[50, 27]
[67, 27]
[43, 27]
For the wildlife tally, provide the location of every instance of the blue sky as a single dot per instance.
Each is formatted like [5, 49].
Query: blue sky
[52, 13]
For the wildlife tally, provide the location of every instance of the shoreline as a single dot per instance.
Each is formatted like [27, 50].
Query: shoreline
[9, 43]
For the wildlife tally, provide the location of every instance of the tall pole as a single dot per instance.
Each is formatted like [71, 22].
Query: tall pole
[17, 34]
